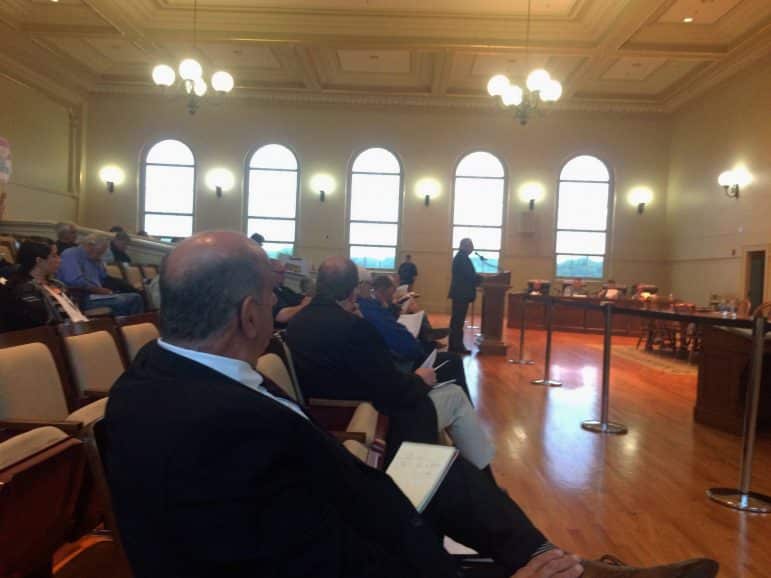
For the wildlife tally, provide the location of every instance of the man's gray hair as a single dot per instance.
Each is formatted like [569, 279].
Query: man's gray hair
[200, 303]
[63, 227]
[95, 240]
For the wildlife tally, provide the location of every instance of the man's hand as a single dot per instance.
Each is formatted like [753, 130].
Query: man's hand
[101, 291]
[552, 564]
[427, 374]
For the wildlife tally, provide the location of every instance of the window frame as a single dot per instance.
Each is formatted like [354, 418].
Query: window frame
[504, 203]
[399, 209]
[606, 257]
[246, 190]
[143, 182]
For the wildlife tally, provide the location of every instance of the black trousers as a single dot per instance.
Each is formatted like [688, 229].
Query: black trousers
[471, 509]
[457, 318]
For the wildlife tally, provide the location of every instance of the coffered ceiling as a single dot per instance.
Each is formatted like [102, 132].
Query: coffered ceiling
[650, 55]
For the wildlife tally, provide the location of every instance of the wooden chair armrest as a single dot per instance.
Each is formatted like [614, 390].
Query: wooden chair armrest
[349, 435]
[22, 425]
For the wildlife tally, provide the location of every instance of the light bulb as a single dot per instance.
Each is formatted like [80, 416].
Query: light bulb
[220, 178]
[222, 81]
[537, 80]
[163, 75]
[199, 86]
[189, 69]
[428, 187]
[726, 179]
[531, 191]
[512, 96]
[640, 196]
[552, 91]
[497, 84]
[322, 182]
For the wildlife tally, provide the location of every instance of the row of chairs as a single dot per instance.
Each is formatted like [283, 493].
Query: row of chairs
[61, 375]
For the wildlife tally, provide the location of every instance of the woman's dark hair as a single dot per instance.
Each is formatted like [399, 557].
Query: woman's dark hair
[29, 252]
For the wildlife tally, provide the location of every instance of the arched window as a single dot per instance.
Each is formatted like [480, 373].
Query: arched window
[168, 190]
[376, 184]
[582, 218]
[480, 182]
[272, 198]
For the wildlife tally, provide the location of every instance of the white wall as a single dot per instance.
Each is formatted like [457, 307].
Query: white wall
[428, 141]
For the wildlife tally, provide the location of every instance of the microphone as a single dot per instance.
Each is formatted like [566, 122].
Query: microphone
[481, 257]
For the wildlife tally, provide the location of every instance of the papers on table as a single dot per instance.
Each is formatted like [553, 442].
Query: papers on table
[412, 321]
[419, 469]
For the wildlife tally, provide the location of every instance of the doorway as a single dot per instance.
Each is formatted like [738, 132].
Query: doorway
[756, 275]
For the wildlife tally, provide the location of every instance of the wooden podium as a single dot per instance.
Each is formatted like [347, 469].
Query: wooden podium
[494, 288]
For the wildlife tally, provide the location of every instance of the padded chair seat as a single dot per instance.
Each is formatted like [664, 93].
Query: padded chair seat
[95, 360]
[364, 420]
[136, 336]
[357, 448]
[89, 413]
[27, 444]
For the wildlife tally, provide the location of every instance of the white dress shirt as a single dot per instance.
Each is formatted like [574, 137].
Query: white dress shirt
[235, 369]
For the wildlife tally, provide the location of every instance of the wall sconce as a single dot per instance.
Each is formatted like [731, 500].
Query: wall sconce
[639, 197]
[733, 180]
[220, 180]
[111, 175]
[322, 184]
[427, 189]
[531, 192]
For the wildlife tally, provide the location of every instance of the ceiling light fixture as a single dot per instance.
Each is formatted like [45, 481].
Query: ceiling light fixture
[540, 87]
[191, 74]
[688, 19]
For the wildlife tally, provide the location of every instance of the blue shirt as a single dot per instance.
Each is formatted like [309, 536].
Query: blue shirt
[77, 270]
[397, 336]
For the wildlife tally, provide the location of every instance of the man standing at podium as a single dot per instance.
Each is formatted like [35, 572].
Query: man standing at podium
[463, 290]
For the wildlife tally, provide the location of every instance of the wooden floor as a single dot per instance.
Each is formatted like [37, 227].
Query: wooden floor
[639, 496]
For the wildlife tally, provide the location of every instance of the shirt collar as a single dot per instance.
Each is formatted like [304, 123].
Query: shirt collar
[235, 369]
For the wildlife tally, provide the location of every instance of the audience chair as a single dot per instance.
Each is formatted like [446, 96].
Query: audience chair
[35, 387]
[333, 414]
[94, 355]
[41, 475]
[136, 331]
[8, 248]
[114, 270]
[763, 309]
[133, 275]
[149, 272]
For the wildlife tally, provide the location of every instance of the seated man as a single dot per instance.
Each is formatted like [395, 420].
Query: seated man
[224, 477]
[82, 269]
[288, 302]
[66, 236]
[340, 355]
[408, 351]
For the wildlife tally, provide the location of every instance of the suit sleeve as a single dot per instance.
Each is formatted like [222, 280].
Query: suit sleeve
[374, 368]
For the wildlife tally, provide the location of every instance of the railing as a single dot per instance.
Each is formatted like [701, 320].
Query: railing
[741, 498]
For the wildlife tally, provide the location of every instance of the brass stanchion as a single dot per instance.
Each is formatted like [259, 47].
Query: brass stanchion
[603, 425]
[547, 356]
[522, 322]
[742, 498]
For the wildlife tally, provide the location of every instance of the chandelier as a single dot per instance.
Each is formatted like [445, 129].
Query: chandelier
[540, 87]
[191, 75]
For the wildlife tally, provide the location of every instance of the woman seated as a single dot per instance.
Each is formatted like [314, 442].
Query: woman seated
[34, 297]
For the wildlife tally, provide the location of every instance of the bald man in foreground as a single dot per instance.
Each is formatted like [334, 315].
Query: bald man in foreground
[214, 474]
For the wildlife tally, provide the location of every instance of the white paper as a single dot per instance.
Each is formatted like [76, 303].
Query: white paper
[412, 322]
[430, 360]
[419, 469]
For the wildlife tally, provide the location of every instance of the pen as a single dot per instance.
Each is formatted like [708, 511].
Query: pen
[441, 364]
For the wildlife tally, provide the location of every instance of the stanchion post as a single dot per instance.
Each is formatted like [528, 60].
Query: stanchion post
[547, 356]
[604, 425]
[742, 498]
[522, 324]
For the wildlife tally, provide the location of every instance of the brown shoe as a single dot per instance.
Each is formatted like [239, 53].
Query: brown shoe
[611, 567]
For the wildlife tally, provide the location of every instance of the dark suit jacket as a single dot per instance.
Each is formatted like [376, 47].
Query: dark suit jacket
[464, 279]
[210, 478]
[342, 356]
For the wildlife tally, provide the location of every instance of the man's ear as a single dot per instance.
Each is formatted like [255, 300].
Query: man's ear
[249, 317]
